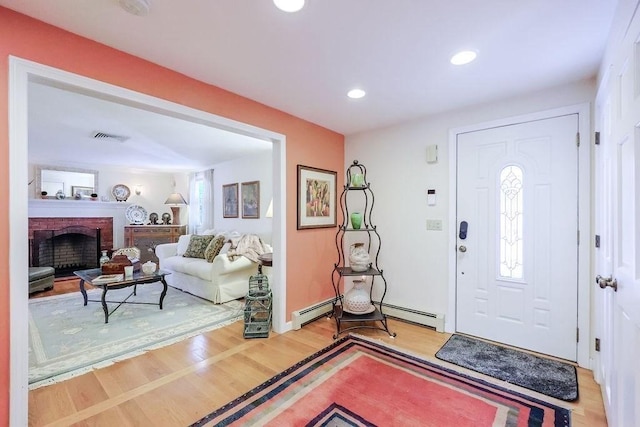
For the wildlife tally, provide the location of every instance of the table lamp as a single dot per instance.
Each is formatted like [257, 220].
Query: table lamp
[175, 199]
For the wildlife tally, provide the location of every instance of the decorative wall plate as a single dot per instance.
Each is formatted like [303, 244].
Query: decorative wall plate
[121, 192]
[136, 214]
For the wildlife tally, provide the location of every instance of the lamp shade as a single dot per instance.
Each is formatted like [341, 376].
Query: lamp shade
[175, 199]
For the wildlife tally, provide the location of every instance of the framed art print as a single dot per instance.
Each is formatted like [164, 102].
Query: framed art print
[251, 199]
[230, 200]
[316, 198]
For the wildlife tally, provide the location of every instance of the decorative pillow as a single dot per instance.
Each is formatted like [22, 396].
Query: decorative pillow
[213, 249]
[197, 246]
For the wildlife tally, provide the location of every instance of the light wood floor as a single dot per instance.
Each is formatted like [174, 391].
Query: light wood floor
[179, 384]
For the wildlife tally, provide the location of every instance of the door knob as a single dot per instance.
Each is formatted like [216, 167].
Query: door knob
[462, 248]
[603, 282]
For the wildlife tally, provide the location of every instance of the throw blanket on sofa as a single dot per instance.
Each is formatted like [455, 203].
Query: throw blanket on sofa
[248, 245]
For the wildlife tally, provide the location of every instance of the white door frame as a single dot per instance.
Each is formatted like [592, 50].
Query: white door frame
[22, 71]
[584, 216]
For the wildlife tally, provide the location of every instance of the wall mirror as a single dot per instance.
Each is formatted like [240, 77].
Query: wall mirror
[71, 182]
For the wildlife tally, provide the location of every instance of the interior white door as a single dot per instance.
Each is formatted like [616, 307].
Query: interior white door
[617, 211]
[620, 297]
[603, 301]
[517, 266]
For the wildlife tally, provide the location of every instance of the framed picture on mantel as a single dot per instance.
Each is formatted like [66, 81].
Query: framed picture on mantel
[316, 198]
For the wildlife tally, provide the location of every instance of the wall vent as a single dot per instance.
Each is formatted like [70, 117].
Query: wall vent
[104, 135]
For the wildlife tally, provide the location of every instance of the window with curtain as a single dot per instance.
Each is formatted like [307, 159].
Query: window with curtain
[201, 201]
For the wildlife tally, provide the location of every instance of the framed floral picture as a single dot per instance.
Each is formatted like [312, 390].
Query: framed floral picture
[251, 199]
[316, 198]
[230, 200]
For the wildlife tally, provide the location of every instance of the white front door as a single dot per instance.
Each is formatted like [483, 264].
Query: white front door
[517, 266]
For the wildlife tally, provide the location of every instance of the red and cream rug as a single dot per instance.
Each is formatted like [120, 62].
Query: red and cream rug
[359, 382]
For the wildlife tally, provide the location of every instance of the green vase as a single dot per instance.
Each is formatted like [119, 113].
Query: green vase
[356, 220]
[357, 180]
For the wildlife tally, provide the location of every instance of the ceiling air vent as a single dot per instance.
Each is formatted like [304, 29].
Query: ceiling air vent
[106, 136]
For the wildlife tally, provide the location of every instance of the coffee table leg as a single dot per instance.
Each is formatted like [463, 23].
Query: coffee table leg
[83, 291]
[164, 291]
[104, 304]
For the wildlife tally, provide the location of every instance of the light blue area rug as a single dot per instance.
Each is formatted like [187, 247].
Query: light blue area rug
[67, 339]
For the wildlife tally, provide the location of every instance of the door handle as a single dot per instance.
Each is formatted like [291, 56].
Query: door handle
[464, 225]
[603, 282]
[462, 248]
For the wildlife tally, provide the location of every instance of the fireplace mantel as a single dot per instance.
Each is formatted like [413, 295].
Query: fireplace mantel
[49, 208]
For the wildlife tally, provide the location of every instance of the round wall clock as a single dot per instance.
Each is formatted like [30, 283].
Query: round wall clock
[121, 192]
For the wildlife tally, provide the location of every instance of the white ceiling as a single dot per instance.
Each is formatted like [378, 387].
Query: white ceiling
[398, 51]
[62, 125]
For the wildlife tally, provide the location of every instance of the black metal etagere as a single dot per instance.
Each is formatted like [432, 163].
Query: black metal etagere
[357, 186]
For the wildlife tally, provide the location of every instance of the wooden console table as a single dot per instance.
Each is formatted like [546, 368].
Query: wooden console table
[147, 237]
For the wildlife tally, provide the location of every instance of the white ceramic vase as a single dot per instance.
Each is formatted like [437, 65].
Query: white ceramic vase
[357, 299]
[358, 257]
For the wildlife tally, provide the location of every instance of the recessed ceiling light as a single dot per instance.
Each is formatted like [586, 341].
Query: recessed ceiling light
[356, 93]
[136, 7]
[289, 5]
[463, 57]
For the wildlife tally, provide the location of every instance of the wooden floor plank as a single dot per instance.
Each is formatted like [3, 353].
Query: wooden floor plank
[178, 384]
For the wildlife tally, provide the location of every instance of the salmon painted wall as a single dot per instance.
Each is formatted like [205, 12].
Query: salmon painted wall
[310, 253]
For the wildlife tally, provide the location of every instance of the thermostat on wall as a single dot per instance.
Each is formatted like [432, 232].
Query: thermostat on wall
[431, 197]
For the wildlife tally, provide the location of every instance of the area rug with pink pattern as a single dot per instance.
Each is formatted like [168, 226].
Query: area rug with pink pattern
[361, 382]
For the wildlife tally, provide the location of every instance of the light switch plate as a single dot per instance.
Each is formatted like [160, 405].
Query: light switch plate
[434, 225]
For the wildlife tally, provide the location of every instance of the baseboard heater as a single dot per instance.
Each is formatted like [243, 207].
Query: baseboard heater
[309, 314]
[432, 320]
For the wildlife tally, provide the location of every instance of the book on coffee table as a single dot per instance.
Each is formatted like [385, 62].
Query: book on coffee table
[107, 278]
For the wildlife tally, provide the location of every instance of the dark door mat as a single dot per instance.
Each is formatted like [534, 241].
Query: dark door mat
[546, 376]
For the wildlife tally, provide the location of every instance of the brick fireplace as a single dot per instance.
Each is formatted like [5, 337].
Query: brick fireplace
[69, 244]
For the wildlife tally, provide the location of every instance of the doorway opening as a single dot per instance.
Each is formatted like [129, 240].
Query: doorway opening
[21, 74]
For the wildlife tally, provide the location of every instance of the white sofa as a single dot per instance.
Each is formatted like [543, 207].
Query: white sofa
[219, 281]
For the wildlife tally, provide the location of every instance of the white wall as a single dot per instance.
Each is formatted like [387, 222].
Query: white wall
[155, 187]
[254, 168]
[414, 260]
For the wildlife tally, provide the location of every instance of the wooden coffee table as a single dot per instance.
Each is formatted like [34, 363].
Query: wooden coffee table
[138, 279]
